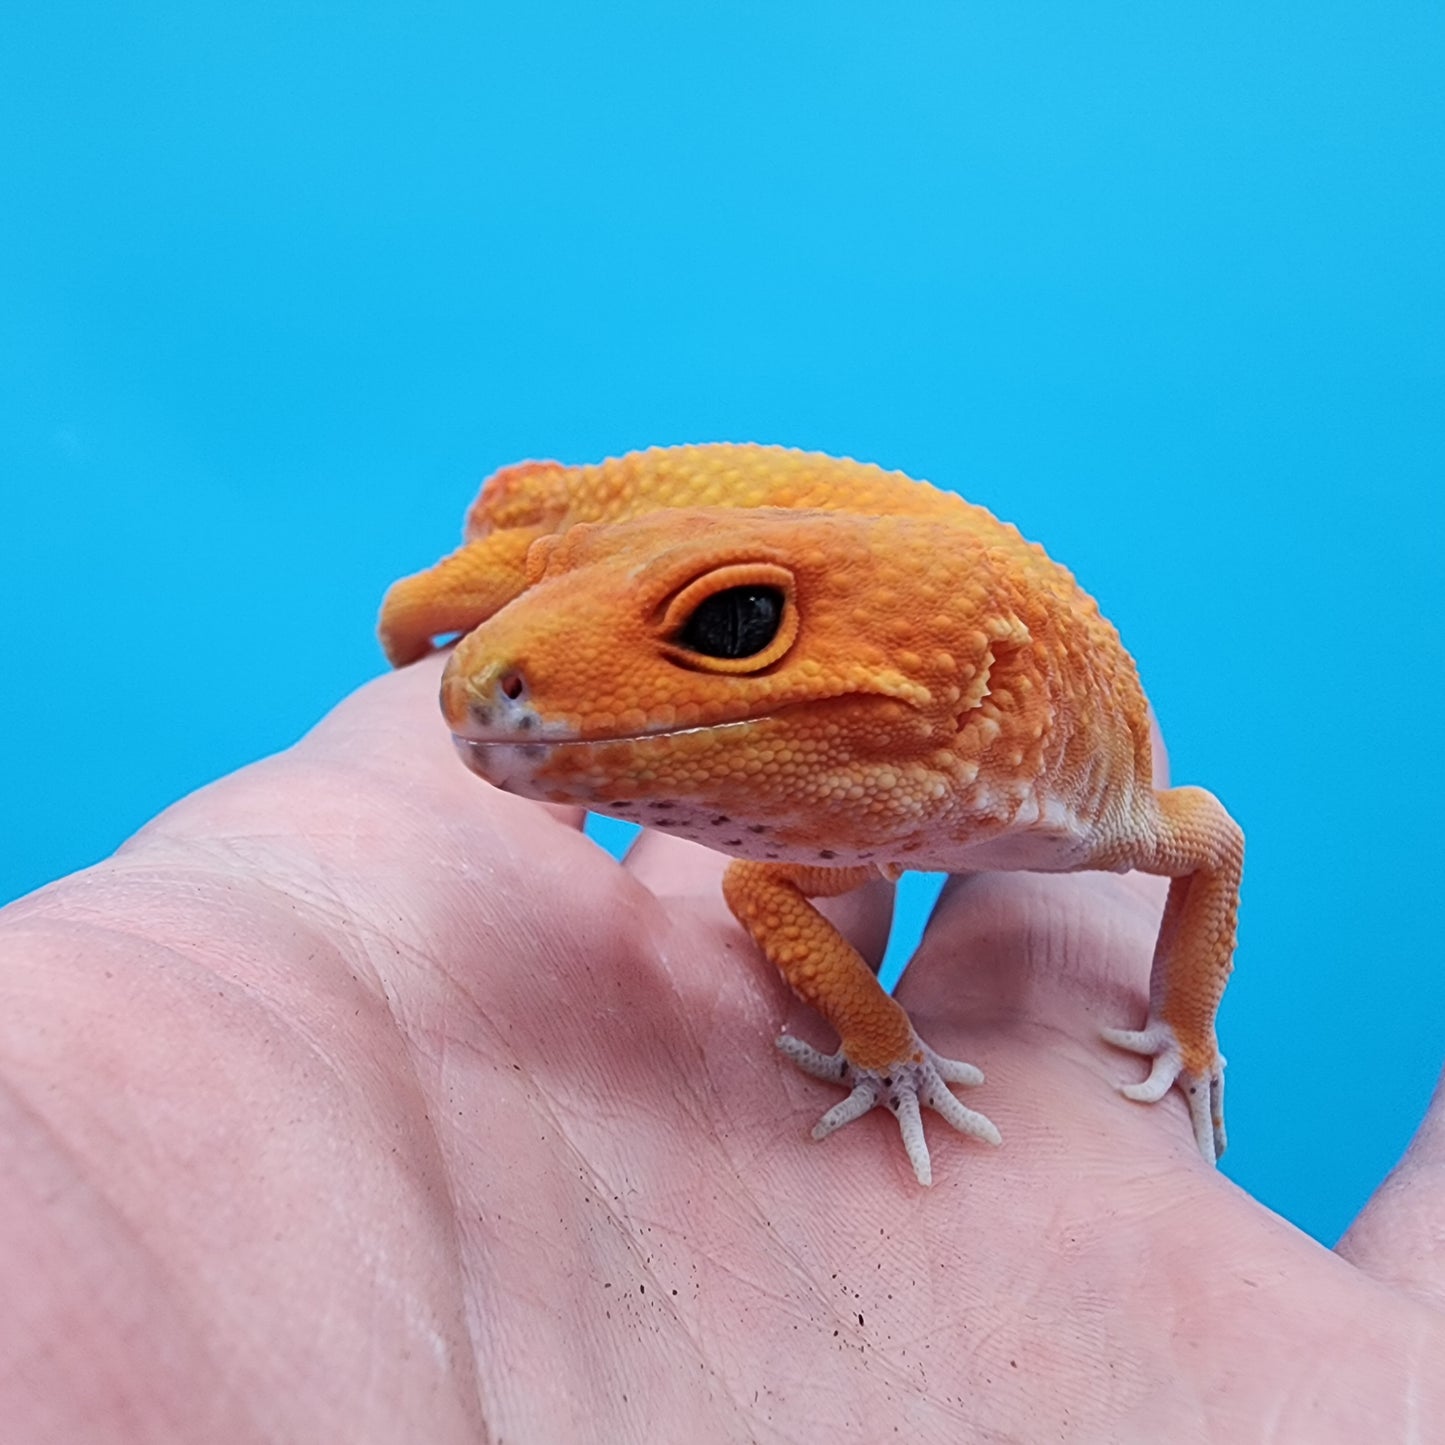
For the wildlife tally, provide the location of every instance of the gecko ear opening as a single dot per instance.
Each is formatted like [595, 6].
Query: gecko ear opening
[1005, 636]
[733, 620]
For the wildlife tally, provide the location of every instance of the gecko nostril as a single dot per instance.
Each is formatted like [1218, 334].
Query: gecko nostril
[512, 685]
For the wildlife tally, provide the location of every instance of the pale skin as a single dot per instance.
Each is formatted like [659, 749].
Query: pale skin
[356, 1100]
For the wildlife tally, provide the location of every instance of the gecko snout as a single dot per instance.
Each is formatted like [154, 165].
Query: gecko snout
[487, 704]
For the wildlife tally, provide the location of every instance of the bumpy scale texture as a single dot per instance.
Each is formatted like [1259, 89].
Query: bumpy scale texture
[924, 689]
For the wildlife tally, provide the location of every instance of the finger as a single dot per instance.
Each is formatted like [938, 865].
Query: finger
[1399, 1236]
[1053, 947]
[566, 814]
[675, 867]
[1159, 751]
[864, 917]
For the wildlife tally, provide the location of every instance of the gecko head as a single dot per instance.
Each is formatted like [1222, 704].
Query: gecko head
[748, 666]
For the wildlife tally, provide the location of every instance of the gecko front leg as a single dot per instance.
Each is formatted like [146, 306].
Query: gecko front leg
[1200, 848]
[881, 1059]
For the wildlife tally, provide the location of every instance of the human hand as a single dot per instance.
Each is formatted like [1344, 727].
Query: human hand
[354, 1100]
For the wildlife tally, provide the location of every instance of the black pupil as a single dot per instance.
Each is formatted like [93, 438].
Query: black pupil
[738, 622]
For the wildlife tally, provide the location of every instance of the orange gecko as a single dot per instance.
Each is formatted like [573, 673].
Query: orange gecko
[830, 672]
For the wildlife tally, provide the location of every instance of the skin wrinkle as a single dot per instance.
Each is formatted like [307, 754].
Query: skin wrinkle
[276, 1016]
[303, 904]
[280, 1021]
[685, 1018]
[537, 1098]
[844, 1318]
[788, 1302]
[1420, 1369]
[640, 1268]
[793, 1386]
[375, 948]
[180, 1290]
[562, 1122]
[1296, 1397]
[492, 1384]
[600, 1084]
[477, 1398]
[185, 1297]
[204, 955]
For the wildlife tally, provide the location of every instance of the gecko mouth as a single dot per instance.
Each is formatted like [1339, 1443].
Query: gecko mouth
[521, 753]
[512, 721]
[543, 746]
[515, 765]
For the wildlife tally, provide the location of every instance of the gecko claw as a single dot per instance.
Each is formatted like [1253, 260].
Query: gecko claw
[903, 1088]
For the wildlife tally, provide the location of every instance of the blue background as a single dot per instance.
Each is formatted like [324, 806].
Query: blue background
[1161, 283]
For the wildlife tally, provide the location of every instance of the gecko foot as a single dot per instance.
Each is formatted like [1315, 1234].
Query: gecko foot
[902, 1087]
[1203, 1091]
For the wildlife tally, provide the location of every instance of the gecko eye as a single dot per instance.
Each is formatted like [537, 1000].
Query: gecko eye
[736, 622]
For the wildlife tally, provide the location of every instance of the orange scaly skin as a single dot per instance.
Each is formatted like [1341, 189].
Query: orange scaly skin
[921, 688]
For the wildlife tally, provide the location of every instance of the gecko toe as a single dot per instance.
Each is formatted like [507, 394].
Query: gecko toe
[910, 1126]
[858, 1103]
[1203, 1090]
[812, 1061]
[965, 1120]
[905, 1087]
